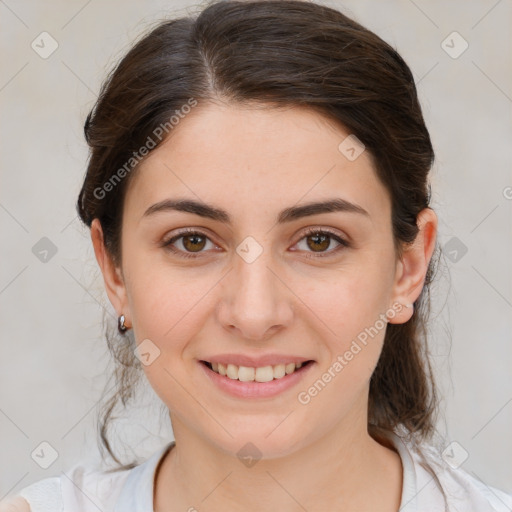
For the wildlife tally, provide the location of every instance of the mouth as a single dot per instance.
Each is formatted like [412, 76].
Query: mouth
[260, 374]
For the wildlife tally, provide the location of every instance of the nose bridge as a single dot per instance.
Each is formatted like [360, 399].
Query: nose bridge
[254, 299]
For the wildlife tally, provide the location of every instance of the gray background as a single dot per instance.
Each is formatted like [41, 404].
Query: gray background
[54, 361]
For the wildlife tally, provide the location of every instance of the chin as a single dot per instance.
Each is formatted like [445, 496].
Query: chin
[263, 441]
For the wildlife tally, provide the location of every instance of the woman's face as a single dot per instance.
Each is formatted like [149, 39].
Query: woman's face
[254, 283]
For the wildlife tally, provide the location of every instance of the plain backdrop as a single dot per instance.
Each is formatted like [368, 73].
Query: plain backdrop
[54, 361]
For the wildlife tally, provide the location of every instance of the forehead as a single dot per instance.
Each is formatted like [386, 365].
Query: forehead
[254, 159]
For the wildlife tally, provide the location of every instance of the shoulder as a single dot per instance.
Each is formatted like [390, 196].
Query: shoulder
[37, 496]
[15, 504]
[459, 489]
[79, 488]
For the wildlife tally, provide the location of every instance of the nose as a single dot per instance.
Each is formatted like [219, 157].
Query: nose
[255, 303]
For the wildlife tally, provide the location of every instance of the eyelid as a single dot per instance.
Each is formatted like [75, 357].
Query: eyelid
[318, 229]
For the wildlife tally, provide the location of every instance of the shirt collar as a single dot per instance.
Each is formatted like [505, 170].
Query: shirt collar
[409, 498]
[137, 492]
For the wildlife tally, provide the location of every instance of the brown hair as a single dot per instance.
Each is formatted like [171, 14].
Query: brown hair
[277, 53]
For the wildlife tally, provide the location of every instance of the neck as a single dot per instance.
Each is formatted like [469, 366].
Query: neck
[340, 471]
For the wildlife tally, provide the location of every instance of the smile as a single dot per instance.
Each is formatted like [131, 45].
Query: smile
[250, 374]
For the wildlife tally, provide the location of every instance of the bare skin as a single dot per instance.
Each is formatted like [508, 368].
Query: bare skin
[14, 504]
[253, 163]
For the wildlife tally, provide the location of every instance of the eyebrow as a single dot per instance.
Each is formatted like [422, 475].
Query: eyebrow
[287, 215]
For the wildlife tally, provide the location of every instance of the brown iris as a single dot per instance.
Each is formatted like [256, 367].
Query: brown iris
[321, 241]
[194, 245]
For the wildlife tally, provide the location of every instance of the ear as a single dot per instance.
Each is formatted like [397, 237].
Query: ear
[112, 275]
[413, 265]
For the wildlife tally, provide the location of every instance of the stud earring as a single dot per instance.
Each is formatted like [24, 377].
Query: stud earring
[120, 325]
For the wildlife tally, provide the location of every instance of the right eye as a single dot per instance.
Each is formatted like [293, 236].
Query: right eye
[192, 242]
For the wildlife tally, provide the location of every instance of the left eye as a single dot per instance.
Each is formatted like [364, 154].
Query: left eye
[193, 243]
[319, 240]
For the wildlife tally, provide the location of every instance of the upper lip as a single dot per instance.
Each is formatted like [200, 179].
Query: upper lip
[255, 362]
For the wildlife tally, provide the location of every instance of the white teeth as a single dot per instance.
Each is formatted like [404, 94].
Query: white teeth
[261, 374]
[246, 374]
[279, 371]
[264, 374]
[289, 368]
[232, 371]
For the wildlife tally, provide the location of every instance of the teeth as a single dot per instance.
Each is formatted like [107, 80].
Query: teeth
[246, 374]
[289, 368]
[264, 374]
[279, 371]
[232, 371]
[261, 374]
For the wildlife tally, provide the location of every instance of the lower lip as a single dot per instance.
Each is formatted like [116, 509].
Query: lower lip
[239, 389]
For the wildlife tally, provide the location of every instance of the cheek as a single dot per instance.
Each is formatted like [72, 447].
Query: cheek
[347, 314]
[167, 308]
[348, 300]
[350, 323]
[163, 299]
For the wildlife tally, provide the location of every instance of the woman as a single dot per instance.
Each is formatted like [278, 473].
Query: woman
[258, 198]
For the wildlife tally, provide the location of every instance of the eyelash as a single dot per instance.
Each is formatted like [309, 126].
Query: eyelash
[310, 231]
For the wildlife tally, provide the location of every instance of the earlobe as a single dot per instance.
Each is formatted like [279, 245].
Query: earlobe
[112, 277]
[413, 265]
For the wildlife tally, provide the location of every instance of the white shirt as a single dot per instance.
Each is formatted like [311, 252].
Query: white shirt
[426, 476]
